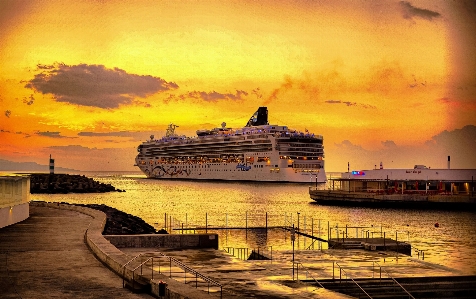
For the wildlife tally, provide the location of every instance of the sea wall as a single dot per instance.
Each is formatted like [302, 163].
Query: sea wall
[119, 262]
[165, 241]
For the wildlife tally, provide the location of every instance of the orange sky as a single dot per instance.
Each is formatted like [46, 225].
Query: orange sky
[382, 81]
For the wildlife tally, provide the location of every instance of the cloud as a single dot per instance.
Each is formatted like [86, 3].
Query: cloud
[212, 96]
[389, 144]
[7, 165]
[115, 134]
[459, 144]
[29, 101]
[26, 135]
[409, 12]
[51, 134]
[126, 134]
[350, 104]
[258, 93]
[8, 113]
[95, 85]
[110, 159]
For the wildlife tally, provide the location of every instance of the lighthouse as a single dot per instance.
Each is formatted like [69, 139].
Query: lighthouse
[52, 165]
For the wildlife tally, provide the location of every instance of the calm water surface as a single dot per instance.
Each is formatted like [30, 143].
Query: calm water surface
[234, 204]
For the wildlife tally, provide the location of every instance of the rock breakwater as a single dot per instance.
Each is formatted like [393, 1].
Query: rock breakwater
[121, 223]
[67, 183]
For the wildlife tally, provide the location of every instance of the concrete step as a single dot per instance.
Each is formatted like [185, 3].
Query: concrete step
[420, 287]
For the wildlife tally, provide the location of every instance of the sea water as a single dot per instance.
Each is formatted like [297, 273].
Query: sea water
[177, 204]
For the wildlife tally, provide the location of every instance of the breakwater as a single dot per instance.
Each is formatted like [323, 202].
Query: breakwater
[67, 183]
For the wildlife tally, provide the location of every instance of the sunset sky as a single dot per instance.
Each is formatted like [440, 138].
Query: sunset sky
[382, 81]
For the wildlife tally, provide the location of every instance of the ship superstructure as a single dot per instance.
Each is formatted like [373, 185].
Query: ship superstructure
[257, 152]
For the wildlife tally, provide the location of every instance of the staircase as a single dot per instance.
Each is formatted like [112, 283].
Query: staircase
[443, 287]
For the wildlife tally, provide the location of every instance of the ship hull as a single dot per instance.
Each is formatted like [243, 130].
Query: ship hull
[233, 172]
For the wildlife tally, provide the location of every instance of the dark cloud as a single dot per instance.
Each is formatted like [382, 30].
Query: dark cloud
[258, 93]
[51, 134]
[212, 96]
[95, 85]
[350, 104]
[26, 135]
[409, 12]
[29, 101]
[8, 113]
[115, 134]
[215, 96]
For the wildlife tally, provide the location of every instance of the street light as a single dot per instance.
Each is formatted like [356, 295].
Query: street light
[298, 220]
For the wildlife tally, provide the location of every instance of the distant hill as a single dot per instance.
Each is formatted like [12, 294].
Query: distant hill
[6, 165]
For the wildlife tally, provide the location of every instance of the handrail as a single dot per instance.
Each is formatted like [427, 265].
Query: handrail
[302, 266]
[340, 279]
[176, 262]
[187, 268]
[418, 252]
[124, 267]
[411, 296]
[243, 252]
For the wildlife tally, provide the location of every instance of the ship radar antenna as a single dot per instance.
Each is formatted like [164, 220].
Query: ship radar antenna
[171, 130]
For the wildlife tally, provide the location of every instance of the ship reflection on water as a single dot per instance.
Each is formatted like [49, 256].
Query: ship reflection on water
[230, 204]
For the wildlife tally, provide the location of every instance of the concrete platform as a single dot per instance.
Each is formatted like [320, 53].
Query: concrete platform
[45, 256]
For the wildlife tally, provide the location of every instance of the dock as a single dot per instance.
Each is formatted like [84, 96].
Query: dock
[372, 244]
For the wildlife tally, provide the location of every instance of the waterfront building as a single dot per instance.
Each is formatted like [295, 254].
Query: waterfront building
[14, 199]
[418, 185]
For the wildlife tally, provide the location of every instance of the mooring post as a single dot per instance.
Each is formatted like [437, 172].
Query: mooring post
[396, 240]
[206, 222]
[165, 221]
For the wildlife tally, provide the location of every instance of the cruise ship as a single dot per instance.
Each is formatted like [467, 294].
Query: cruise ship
[257, 152]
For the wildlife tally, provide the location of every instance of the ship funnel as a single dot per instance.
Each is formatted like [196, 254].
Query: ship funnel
[448, 162]
[259, 118]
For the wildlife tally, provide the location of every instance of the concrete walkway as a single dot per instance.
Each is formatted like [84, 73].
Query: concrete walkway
[45, 256]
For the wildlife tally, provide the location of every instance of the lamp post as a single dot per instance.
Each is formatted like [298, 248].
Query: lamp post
[298, 220]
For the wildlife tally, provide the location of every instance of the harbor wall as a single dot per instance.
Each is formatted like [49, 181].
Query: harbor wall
[164, 240]
[118, 261]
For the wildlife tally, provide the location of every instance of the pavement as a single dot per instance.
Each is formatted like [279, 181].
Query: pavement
[45, 256]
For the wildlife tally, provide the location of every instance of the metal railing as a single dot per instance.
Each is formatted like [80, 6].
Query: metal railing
[243, 252]
[347, 277]
[150, 261]
[420, 251]
[393, 279]
[297, 264]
